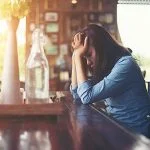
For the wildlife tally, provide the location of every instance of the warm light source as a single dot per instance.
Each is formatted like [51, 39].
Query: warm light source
[74, 1]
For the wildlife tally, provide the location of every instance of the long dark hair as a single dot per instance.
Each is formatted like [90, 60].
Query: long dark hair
[108, 50]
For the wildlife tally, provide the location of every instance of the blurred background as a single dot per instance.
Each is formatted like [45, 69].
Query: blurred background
[127, 20]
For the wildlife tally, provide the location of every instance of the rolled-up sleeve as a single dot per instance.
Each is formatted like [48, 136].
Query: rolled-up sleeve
[74, 93]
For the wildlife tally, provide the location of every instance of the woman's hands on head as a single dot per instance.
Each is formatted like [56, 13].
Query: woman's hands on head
[79, 45]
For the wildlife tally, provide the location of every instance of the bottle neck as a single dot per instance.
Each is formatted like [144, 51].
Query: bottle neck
[37, 46]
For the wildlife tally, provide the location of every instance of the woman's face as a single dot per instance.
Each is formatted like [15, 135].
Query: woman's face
[91, 58]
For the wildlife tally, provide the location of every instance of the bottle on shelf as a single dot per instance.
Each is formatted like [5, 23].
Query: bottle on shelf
[37, 71]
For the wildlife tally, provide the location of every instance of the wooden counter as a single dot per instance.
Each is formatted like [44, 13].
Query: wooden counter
[79, 127]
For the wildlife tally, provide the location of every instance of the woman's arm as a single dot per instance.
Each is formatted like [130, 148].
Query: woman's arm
[78, 57]
[117, 82]
[80, 68]
[74, 73]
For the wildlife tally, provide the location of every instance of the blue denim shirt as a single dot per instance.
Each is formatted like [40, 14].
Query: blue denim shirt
[124, 92]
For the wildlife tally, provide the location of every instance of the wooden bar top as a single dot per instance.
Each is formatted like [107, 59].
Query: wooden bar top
[80, 127]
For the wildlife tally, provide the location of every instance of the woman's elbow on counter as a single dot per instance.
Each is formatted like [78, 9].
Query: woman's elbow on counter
[85, 100]
[85, 96]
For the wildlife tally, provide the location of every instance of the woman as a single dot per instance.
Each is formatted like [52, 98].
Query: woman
[115, 77]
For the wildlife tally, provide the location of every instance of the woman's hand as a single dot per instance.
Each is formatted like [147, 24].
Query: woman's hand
[80, 47]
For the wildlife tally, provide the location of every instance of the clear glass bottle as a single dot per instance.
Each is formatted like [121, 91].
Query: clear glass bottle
[37, 71]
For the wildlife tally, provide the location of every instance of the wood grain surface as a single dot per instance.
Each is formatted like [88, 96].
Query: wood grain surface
[32, 109]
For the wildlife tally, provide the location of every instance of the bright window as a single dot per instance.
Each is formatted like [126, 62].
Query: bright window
[134, 28]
